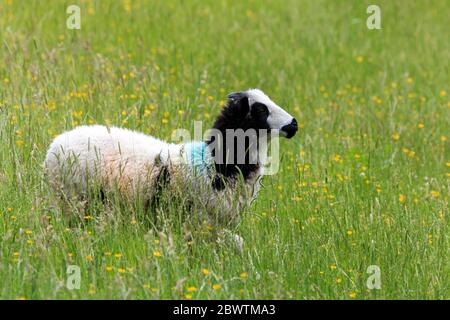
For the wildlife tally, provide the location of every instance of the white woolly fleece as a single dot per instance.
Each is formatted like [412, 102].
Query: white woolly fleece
[131, 161]
[111, 155]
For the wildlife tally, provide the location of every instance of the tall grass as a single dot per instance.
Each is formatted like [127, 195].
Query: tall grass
[365, 181]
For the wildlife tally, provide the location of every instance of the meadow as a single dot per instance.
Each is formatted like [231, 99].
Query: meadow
[365, 182]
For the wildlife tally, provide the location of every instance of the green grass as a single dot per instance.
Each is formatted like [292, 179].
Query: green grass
[361, 184]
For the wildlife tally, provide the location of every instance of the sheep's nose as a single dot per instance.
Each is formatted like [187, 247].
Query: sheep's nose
[290, 129]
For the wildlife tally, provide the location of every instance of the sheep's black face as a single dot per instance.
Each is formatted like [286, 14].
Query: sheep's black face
[259, 113]
[240, 115]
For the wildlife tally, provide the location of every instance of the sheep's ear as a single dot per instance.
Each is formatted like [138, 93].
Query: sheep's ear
[239, 101]
[235, 96]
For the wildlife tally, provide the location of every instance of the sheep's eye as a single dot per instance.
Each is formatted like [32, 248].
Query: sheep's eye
[260, 110]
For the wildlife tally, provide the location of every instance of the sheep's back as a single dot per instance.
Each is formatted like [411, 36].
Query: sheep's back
[113, 157]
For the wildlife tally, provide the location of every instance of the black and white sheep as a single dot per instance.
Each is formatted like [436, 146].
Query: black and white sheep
[139, 165]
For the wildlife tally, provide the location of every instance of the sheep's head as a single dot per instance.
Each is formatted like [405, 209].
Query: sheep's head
[253, 109]
[237, 140]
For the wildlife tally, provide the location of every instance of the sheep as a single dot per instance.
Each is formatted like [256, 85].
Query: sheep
[139, 166]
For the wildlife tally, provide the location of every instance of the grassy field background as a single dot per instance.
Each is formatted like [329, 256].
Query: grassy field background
[364, 182]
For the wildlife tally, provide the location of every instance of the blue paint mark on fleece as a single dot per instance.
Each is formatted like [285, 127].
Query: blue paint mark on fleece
[199, 157]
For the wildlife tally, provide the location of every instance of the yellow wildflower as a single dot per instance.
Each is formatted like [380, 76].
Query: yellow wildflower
[435, 194]
[337, 158]
[205, 271]
[157, 253]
